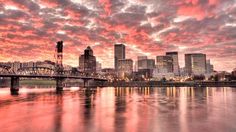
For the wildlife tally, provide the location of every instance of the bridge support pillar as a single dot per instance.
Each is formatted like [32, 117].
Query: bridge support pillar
[59, 84]
[102, 83]
[86, 83]
[15, 84]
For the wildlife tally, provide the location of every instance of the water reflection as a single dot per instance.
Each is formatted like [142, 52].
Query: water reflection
[58, 111]
[14, 93]
[119, 109]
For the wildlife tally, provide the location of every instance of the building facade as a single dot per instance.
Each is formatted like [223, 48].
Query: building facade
[164, 64]
[16, 65]
[209, 67]
[119, 54]
[175, 58]
[46, 64]
[145, 63]
[98, 67]
[87, 61]
[145, 66]
[110, 73]
[164, 68]
[125, 68]
[195, 64]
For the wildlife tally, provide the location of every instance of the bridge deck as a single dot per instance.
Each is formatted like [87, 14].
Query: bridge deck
[52, 76]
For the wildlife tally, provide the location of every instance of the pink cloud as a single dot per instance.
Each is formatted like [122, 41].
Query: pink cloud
[31, 34]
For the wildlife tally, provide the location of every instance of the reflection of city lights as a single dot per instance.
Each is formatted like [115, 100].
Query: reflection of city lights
[5, 91]
[74, 88]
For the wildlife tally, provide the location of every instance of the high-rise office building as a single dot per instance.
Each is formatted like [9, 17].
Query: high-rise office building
[28, 64]
[125, 68]
[87, 61]
[142, 62]
[195, 64]
[119, 54]
[47, 63]
[209, 67]
[142, 58]
[15, 66]
[150, 63]
[145, 66]
[164, 64]
[145, 63]
[234, 72]
[164, 68]
[98, 67]
[175, 58]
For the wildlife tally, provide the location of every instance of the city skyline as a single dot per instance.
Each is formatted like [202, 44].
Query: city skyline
[30, 28]
[135, 63]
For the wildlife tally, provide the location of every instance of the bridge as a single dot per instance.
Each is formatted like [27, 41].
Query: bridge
[57, 72]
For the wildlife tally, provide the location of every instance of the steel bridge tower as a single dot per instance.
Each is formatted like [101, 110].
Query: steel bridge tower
[59, 57]
[59, 65]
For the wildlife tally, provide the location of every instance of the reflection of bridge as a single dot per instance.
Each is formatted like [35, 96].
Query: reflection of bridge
[57, 73]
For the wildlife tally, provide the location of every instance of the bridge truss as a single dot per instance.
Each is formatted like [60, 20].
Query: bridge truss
[4, 69]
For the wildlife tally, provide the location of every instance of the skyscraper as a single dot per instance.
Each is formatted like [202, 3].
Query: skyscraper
[98, 67]
[119, 53]
[175, 58]
[164, 67]
[145, 66]
[209, 67]
[142, 57]
[164, 64]
[87, 61]
[195, 64]
[145, 63]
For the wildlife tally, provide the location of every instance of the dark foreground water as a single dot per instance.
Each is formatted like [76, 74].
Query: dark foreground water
[119, 109]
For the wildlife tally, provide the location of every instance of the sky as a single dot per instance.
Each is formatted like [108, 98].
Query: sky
[29, 29]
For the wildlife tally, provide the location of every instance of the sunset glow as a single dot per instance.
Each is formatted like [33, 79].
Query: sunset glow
[29, 29]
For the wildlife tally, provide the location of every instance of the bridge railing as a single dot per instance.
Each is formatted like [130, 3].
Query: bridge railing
[85, 75]
[45, 71]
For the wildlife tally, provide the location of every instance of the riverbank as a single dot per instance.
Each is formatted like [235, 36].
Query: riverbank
[29, 82]
[171, 84]
[79, 83]
[37, 82]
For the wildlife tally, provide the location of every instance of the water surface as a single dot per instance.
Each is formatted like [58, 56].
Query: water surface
[119, 109]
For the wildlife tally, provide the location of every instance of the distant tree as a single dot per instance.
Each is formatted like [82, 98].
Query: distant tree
[189, 79]
[233, 77]
[211, 78]
[74, 70]
[163, 79]
[216, 78]
[198, 77]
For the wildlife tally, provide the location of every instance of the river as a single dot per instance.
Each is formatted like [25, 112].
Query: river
[119, 110]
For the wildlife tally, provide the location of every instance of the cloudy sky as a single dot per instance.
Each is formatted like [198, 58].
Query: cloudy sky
[29, 29]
